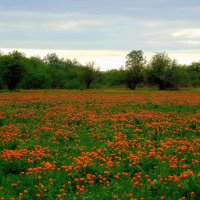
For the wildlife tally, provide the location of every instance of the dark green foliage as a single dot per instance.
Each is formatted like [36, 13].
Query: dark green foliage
[18, 71]
[134, 68]
[1, 84]
[14, 68]
[36, 76]
[1, 70]
[113, 78]
[12, 167]
[56, 70]
[194, 74]
[163, 72]
[133, 78]
[89, 74]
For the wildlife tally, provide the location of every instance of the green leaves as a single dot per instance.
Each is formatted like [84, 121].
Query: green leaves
[134, 68]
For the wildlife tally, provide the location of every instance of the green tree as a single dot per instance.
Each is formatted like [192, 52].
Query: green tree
[56, 69]
[194, 74]
[90, 73]
[1, 70]
[183, 75]
[113, 78]
[164, 72]
[135, 62]
[37, 75]
[14, 68]
[73, 70]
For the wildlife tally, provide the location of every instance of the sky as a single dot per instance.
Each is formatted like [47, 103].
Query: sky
[103, 31]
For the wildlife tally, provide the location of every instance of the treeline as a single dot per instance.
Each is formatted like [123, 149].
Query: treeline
[19, 71]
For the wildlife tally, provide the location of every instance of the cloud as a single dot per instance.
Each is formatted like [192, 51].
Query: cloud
[23, 20]
[188, 33]
[73, 24]
[121, 25]
[191, 42]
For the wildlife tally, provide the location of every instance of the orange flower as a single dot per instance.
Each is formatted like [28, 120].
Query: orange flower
[107, 173]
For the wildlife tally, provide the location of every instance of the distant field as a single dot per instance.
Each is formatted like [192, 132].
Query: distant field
[100, 144]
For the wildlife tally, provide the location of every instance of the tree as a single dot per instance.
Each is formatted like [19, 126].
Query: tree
[14, 69]
[194, 74]
[163, 72]
[1, 69]
[37, 75]
[56, 69]
[113, 78]
[90, 73]
[134, 68]
[184, 75]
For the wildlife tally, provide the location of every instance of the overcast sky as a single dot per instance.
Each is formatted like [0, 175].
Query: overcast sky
[102, 30]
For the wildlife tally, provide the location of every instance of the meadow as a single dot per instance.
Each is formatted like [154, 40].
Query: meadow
[100, 144]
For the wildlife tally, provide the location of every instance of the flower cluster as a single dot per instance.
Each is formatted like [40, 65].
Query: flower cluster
[111, 145]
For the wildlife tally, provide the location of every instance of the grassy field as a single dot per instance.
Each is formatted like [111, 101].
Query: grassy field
[100, 144]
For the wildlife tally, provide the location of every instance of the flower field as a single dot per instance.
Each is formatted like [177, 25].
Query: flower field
[100, 144]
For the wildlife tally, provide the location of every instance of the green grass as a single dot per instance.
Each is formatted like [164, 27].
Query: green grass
[137, 144]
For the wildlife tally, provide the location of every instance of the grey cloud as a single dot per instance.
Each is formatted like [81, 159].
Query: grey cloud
[108, 24]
